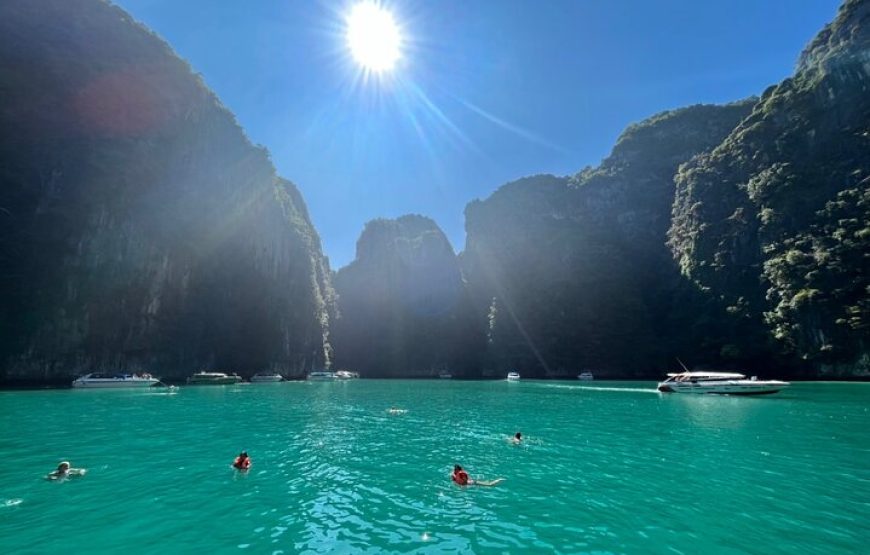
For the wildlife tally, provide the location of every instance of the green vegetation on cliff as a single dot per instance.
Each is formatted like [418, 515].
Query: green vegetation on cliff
[732, 236]
[774, 221]
[139, 228]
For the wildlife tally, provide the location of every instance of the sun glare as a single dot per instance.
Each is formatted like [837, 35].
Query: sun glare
[373, 37]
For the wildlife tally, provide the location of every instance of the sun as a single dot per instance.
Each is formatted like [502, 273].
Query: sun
[373, 37]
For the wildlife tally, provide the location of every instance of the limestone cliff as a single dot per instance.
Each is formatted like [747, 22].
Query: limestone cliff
[774, 221]
[403, 304]
[573, 273]
[139, 228]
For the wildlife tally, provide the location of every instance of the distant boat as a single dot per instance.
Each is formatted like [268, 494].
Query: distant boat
[720, 383]
[346, 375]
[321, 376]
[213, 378]
[513, 376]
[264, 377]
[585, 376]
[95, 380]
[445, 376]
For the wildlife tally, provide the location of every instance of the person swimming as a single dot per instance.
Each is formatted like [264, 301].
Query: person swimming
[460, 477]
[65, 471]
[518, 438]
[242, 462]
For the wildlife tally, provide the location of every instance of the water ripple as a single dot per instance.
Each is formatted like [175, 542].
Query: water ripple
[604, 468]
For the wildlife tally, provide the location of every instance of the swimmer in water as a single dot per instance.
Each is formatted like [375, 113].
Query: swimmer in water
[461, 478]
[242, 462]
[64, 471]
[518, 438]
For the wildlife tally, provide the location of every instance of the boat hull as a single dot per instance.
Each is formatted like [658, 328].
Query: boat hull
[228, 380]
[114, 384]
[747, 388]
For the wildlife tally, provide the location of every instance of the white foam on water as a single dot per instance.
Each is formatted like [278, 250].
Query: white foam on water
[593, 388]
[12, 502]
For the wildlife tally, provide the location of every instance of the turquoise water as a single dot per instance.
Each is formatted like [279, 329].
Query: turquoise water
[606, 468]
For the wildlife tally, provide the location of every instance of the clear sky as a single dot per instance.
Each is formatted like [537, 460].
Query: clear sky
[485, 92]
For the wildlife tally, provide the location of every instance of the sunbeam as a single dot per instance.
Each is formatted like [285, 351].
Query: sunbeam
[519, 131]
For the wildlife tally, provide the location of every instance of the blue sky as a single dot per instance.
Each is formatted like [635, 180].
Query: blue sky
[486, 91]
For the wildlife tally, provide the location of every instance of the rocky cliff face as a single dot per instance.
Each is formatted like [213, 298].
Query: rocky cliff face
[139, 228]
[573, 273]
[141, 231]
[774, 221]
[403, 304]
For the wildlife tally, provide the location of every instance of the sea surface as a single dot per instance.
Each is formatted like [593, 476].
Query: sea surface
[606, 467]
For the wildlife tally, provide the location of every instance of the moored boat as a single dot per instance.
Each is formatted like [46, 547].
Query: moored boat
[513, 376]
[346, 375]
[445, 376]
[97, 380]
[265, 377]
[321, 376]
[719, 383]
[585, 376]
[213, 378]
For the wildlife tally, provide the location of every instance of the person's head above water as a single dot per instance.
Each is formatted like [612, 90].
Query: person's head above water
[457, 468]
[243, 454]
[518, 435]
[63, 467]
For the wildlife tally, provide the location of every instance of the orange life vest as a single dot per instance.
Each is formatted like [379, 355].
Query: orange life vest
[461, 477]
[242, 464]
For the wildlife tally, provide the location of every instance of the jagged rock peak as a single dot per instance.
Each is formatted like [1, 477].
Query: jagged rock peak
[404, 235]
[672, 133]
[844, 41]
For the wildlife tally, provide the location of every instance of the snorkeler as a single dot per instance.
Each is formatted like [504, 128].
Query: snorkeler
[461, 478]
[242, 462]
[64, 471]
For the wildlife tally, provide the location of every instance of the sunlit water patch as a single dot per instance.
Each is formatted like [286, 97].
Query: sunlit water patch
[604, 467]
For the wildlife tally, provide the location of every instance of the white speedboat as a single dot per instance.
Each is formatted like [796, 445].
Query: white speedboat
[264, 377]
[513, 376]
[585, 376]
[719, 383]
[114, 380]
[445, 376]
[213, 378]
[321, 376]
[346, 375]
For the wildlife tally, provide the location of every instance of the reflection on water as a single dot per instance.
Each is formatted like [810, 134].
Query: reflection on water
[604, 467]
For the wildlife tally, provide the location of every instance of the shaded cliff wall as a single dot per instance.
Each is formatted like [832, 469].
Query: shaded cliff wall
[139, 228]
[573, 273]
[404, 309]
